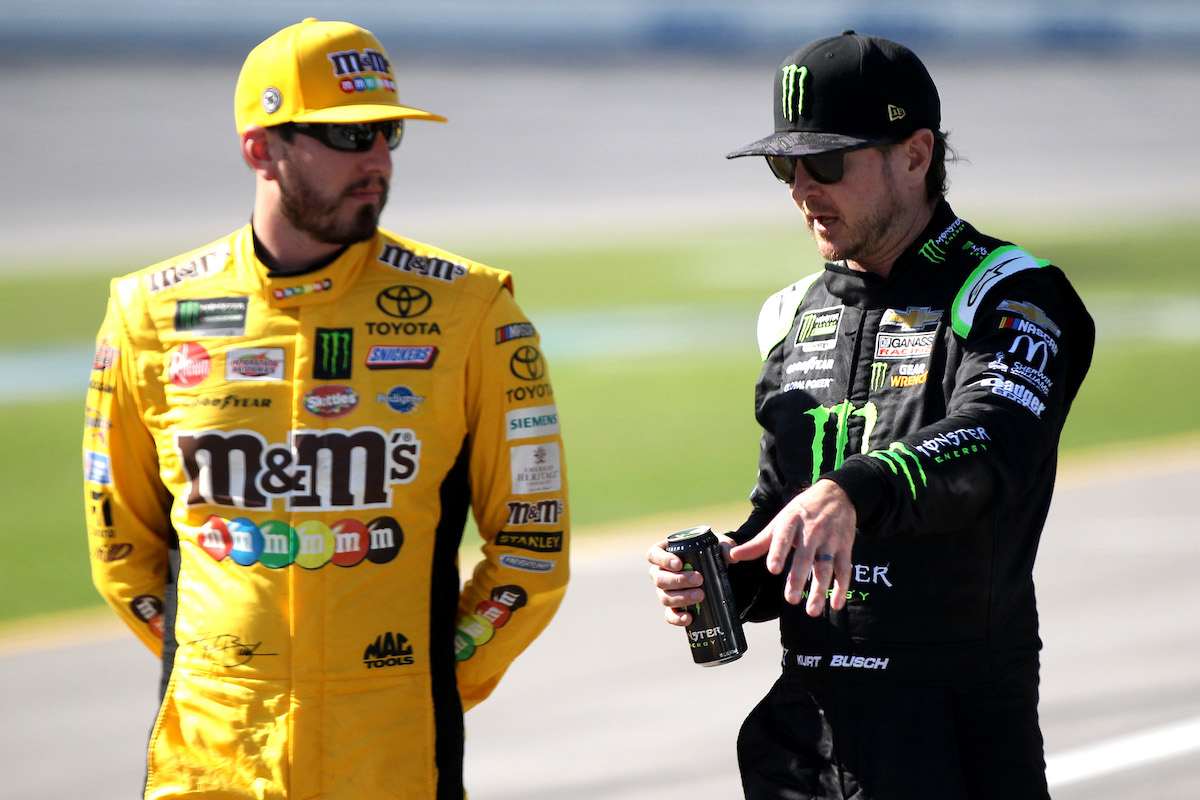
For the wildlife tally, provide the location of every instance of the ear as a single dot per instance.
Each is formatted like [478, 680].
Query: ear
[918, 154]
[260, 151]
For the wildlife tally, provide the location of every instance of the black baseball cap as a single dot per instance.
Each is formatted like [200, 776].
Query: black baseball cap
[847, 91]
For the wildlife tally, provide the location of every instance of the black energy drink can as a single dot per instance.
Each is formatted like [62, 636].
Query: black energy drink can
[715, 632]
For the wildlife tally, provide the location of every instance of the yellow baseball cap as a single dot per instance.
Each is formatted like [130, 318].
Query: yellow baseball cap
[319, 72]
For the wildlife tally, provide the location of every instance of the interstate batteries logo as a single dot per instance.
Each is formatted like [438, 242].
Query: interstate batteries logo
[311, 545]
[254, 364]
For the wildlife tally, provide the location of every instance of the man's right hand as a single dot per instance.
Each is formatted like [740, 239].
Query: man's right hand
[678, 588]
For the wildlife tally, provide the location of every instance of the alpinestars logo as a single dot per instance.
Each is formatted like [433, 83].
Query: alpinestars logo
[388, 650]
[791, 87]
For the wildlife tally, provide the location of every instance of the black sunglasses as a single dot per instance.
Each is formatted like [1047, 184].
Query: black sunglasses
[823, 168]
[351, 137]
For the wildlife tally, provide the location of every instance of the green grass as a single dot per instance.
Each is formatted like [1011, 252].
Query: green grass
[645, 434]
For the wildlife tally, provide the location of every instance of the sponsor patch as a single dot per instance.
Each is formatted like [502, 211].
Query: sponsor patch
[209, 263]
[542, 512]
[426, 266]
[548, 542]
[335, 353]
[383, 356]
[517, 330]
[212, 316]
[535, 468]
[190, 364]
[895, 346]
[283, 293]
[477, 629]
[331, 401]
[388, 650]
[254, 364]
[818, 329]
[526, 564]
[401, 399]
[527, 363]
[527, 423]
[1031, 313]
[404, 301]
[911, 319]
[96, 468]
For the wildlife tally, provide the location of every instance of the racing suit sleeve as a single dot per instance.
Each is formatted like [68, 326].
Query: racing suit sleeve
[519, 497]
[127, 507]
[1009, 384]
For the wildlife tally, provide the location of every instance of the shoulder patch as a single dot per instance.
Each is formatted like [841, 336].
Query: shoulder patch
[1000, 264]
[210, 262]
[779, 312]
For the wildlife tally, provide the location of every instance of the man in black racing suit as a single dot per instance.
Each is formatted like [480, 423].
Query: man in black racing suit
[912, 397]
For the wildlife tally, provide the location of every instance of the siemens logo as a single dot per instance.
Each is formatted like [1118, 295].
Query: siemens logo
[526, 423]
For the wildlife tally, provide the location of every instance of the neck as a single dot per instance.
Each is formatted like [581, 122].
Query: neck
[905, 230]
[286, 250]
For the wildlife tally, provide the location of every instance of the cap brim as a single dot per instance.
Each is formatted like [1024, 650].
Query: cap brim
[366, 113]
[799, 143]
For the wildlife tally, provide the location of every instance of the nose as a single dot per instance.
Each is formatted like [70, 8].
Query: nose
[804, 186]
[378, 158]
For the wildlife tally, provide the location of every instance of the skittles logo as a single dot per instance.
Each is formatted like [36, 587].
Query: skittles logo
[310, 545]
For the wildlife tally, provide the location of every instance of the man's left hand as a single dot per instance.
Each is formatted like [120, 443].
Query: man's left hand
[819, 525]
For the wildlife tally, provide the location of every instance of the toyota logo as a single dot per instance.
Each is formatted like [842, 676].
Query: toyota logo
[527, 363]
[404, 301]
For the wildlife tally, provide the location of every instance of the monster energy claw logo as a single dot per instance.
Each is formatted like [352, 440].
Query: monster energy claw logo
[335, 347]
[933, 252]
[188, 314]
[879, 370]
[897, 458]
[792, 86]
[840, 414]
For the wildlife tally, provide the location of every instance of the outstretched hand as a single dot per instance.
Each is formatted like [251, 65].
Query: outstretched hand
[819, 525]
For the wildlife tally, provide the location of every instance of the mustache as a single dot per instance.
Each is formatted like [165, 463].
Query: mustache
[367, 183]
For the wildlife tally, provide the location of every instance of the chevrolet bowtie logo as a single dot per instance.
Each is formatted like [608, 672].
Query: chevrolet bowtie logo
[913, 319]
[1032, 313]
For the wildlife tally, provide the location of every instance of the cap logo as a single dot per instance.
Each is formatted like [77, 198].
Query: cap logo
[895, 113]
[271, 100]
[350, 66]
[351, 62]
[793, 77]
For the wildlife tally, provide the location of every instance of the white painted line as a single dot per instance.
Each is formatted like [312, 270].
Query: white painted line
[1125, 752]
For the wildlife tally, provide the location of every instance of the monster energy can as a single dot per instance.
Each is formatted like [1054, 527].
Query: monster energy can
[715, 632]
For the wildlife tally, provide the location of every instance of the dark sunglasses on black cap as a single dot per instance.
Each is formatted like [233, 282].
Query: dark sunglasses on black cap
[351, 137]
[825, 168]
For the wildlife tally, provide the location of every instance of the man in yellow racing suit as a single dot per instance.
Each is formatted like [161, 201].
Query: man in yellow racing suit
[278, 467]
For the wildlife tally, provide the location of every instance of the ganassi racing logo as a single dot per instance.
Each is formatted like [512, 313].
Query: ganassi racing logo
[316, 470]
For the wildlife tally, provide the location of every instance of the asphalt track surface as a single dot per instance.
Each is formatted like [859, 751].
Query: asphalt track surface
[607, 703]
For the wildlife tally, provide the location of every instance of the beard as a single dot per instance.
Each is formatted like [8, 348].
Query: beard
[321, 216]
[871, 233]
